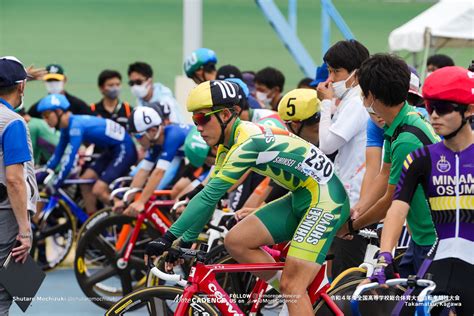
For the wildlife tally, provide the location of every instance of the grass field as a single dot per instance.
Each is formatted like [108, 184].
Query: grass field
[87, 36]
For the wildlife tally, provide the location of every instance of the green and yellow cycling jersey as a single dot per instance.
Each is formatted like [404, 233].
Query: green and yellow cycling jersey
[312, 212]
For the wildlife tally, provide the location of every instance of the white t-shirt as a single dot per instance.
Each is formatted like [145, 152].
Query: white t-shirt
[258, 114]
[163, 98]
[350, 123]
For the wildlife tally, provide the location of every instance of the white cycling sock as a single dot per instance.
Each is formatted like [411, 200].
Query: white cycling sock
[274, 281]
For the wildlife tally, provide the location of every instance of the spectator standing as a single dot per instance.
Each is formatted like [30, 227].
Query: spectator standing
[18, 189]
[438, 61]
[140, 77]
[269, 83]
[55, 80]
[385, 81]
[345, 132]
[110, 106]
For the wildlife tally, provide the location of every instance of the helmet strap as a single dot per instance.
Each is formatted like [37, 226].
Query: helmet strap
[59, 116]
[463, 122]
[223, 125]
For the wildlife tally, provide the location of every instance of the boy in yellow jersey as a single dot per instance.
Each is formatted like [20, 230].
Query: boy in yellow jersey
[309, 215]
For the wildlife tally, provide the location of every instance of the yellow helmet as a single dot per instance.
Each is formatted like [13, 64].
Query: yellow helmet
[213, 93]
[299, 105]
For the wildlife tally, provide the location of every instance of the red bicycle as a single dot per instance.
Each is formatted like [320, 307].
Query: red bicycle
[202, 294]
[109, 256]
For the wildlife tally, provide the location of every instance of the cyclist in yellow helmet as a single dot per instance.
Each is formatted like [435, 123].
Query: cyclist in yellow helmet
[301, 112]
[309, 215]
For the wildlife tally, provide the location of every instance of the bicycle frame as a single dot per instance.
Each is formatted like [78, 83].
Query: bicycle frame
[151, 213]
[54, 199]
[202, 280]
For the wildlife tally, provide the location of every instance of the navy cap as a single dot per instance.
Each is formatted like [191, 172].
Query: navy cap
[12, 71]
[322, 75]
[228, 71]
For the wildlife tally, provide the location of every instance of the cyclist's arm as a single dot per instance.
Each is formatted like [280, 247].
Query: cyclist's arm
[59, 151]
[139, 179]
[200, 209]
[377, 212]
[373, 161]
[414, 169]
[259, 195]
[378, 187]
[153, 181]
[75, 142]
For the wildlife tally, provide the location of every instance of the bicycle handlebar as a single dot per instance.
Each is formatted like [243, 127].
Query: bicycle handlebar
[178, 204]
[129, 192]
[118, 191]
[168, 277]
[428, 285]
[367, 233]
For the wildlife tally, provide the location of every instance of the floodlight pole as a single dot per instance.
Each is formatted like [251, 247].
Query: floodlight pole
[192, 26]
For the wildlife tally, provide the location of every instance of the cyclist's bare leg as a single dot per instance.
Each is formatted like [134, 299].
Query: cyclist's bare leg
[297, 276]
[86, 190]
[244, 240]
[101, 191]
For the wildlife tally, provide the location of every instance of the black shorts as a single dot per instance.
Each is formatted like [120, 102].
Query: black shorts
[455, 277]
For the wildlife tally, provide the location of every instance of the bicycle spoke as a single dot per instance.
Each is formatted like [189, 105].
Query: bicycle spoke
[104, 246]
[136, 262]
[102, 275]
[56, 229]
[126, 281]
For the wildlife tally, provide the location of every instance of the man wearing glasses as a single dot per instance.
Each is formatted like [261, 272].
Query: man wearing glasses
[445, 171]
[309, 215]
[140, 77]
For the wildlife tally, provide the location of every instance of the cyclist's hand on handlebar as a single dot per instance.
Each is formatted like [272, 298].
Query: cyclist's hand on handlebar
[134, 208]
[383, 269]
[119, 205]
[160, 245]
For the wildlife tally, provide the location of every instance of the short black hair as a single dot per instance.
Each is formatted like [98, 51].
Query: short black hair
[348, 54]
[440, 61]
[387, 77]
[305, 82]
[106, 75]
[142, 68]
[8, 90]
[228, 71]
[271, 77]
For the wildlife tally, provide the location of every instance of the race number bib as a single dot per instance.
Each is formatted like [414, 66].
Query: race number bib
[317, 165]
[114, 130]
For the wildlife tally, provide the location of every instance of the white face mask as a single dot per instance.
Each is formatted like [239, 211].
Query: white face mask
[428, 74]
[264, 98]
[54, 87]
[140, 91]
[340, 88]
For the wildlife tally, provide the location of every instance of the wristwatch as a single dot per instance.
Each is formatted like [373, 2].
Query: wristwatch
[24, 236]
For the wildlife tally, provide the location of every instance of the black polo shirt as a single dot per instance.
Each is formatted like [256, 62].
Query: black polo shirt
[120, 114]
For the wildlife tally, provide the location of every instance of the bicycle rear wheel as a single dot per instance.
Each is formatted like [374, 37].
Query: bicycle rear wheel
[53, 236]
[159, 301]
[100, 271]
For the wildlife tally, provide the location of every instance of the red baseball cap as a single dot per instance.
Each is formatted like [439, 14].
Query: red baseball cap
[454, 83]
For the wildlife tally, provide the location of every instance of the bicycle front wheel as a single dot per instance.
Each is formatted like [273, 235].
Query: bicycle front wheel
[159, 301]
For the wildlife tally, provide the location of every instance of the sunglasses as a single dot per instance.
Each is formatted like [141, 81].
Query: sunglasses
[139, 135]
[442, 107]
[203, 118]
[136, 82]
